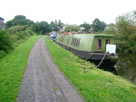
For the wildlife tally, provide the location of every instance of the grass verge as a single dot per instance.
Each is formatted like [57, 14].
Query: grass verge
[12, 68]
[95, 85]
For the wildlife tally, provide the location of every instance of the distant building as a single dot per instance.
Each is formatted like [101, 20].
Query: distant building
[91, 30]
[62, 29]
[2, 24]
[82, 30]
[1, 19]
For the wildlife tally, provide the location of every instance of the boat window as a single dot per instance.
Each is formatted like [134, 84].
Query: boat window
[99, 43]
[107, 41]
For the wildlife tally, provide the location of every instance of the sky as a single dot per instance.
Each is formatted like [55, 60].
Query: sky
[68, 11]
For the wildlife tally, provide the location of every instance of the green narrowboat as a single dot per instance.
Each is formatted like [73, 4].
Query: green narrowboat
[89, 46]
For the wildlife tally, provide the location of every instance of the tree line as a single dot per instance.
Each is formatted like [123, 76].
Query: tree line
[97, 26]
[44, 27]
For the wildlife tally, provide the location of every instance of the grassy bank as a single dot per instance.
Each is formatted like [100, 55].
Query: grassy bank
[95, 85]
[12, 68]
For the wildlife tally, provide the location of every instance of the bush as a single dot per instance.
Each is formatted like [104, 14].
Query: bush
[17, 28]
[2, 53]
[5, 41]
[20, 32]
[126, 36]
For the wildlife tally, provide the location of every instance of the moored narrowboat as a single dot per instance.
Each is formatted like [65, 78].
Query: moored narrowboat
[93, 47]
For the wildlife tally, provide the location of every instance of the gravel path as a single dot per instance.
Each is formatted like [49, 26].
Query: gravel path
[43, 82]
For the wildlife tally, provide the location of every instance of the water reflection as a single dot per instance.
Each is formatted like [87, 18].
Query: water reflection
[126, 69]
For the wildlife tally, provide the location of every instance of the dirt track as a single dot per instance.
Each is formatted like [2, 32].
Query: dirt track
[43, 82]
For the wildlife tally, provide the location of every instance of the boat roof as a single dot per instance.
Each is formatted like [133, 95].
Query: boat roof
[102, 35]
[95, 35]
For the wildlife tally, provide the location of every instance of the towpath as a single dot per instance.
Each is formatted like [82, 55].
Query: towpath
[43, 81]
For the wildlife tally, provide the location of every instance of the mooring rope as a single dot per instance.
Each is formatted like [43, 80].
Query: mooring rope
[89, 56]
[101, 61]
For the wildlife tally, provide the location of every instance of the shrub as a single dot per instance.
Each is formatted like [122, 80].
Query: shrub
[20, 32]
[126, 37]
[2, 53]
[17, 28]
[5, 41]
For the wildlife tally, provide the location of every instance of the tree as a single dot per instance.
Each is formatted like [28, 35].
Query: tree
[126, 36]
[110, 29]
[54, 26]
[41, 27]
[44, 26]
[60, 24]
[87, 26]
[126, 44]
[98, 26]
[19, 20]
[72, 28]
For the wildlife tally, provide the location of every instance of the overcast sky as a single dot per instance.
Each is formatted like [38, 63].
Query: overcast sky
[69, 11]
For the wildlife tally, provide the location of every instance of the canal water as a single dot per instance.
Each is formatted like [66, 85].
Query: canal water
[123, 67]
[106, 65]
[126, 69]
